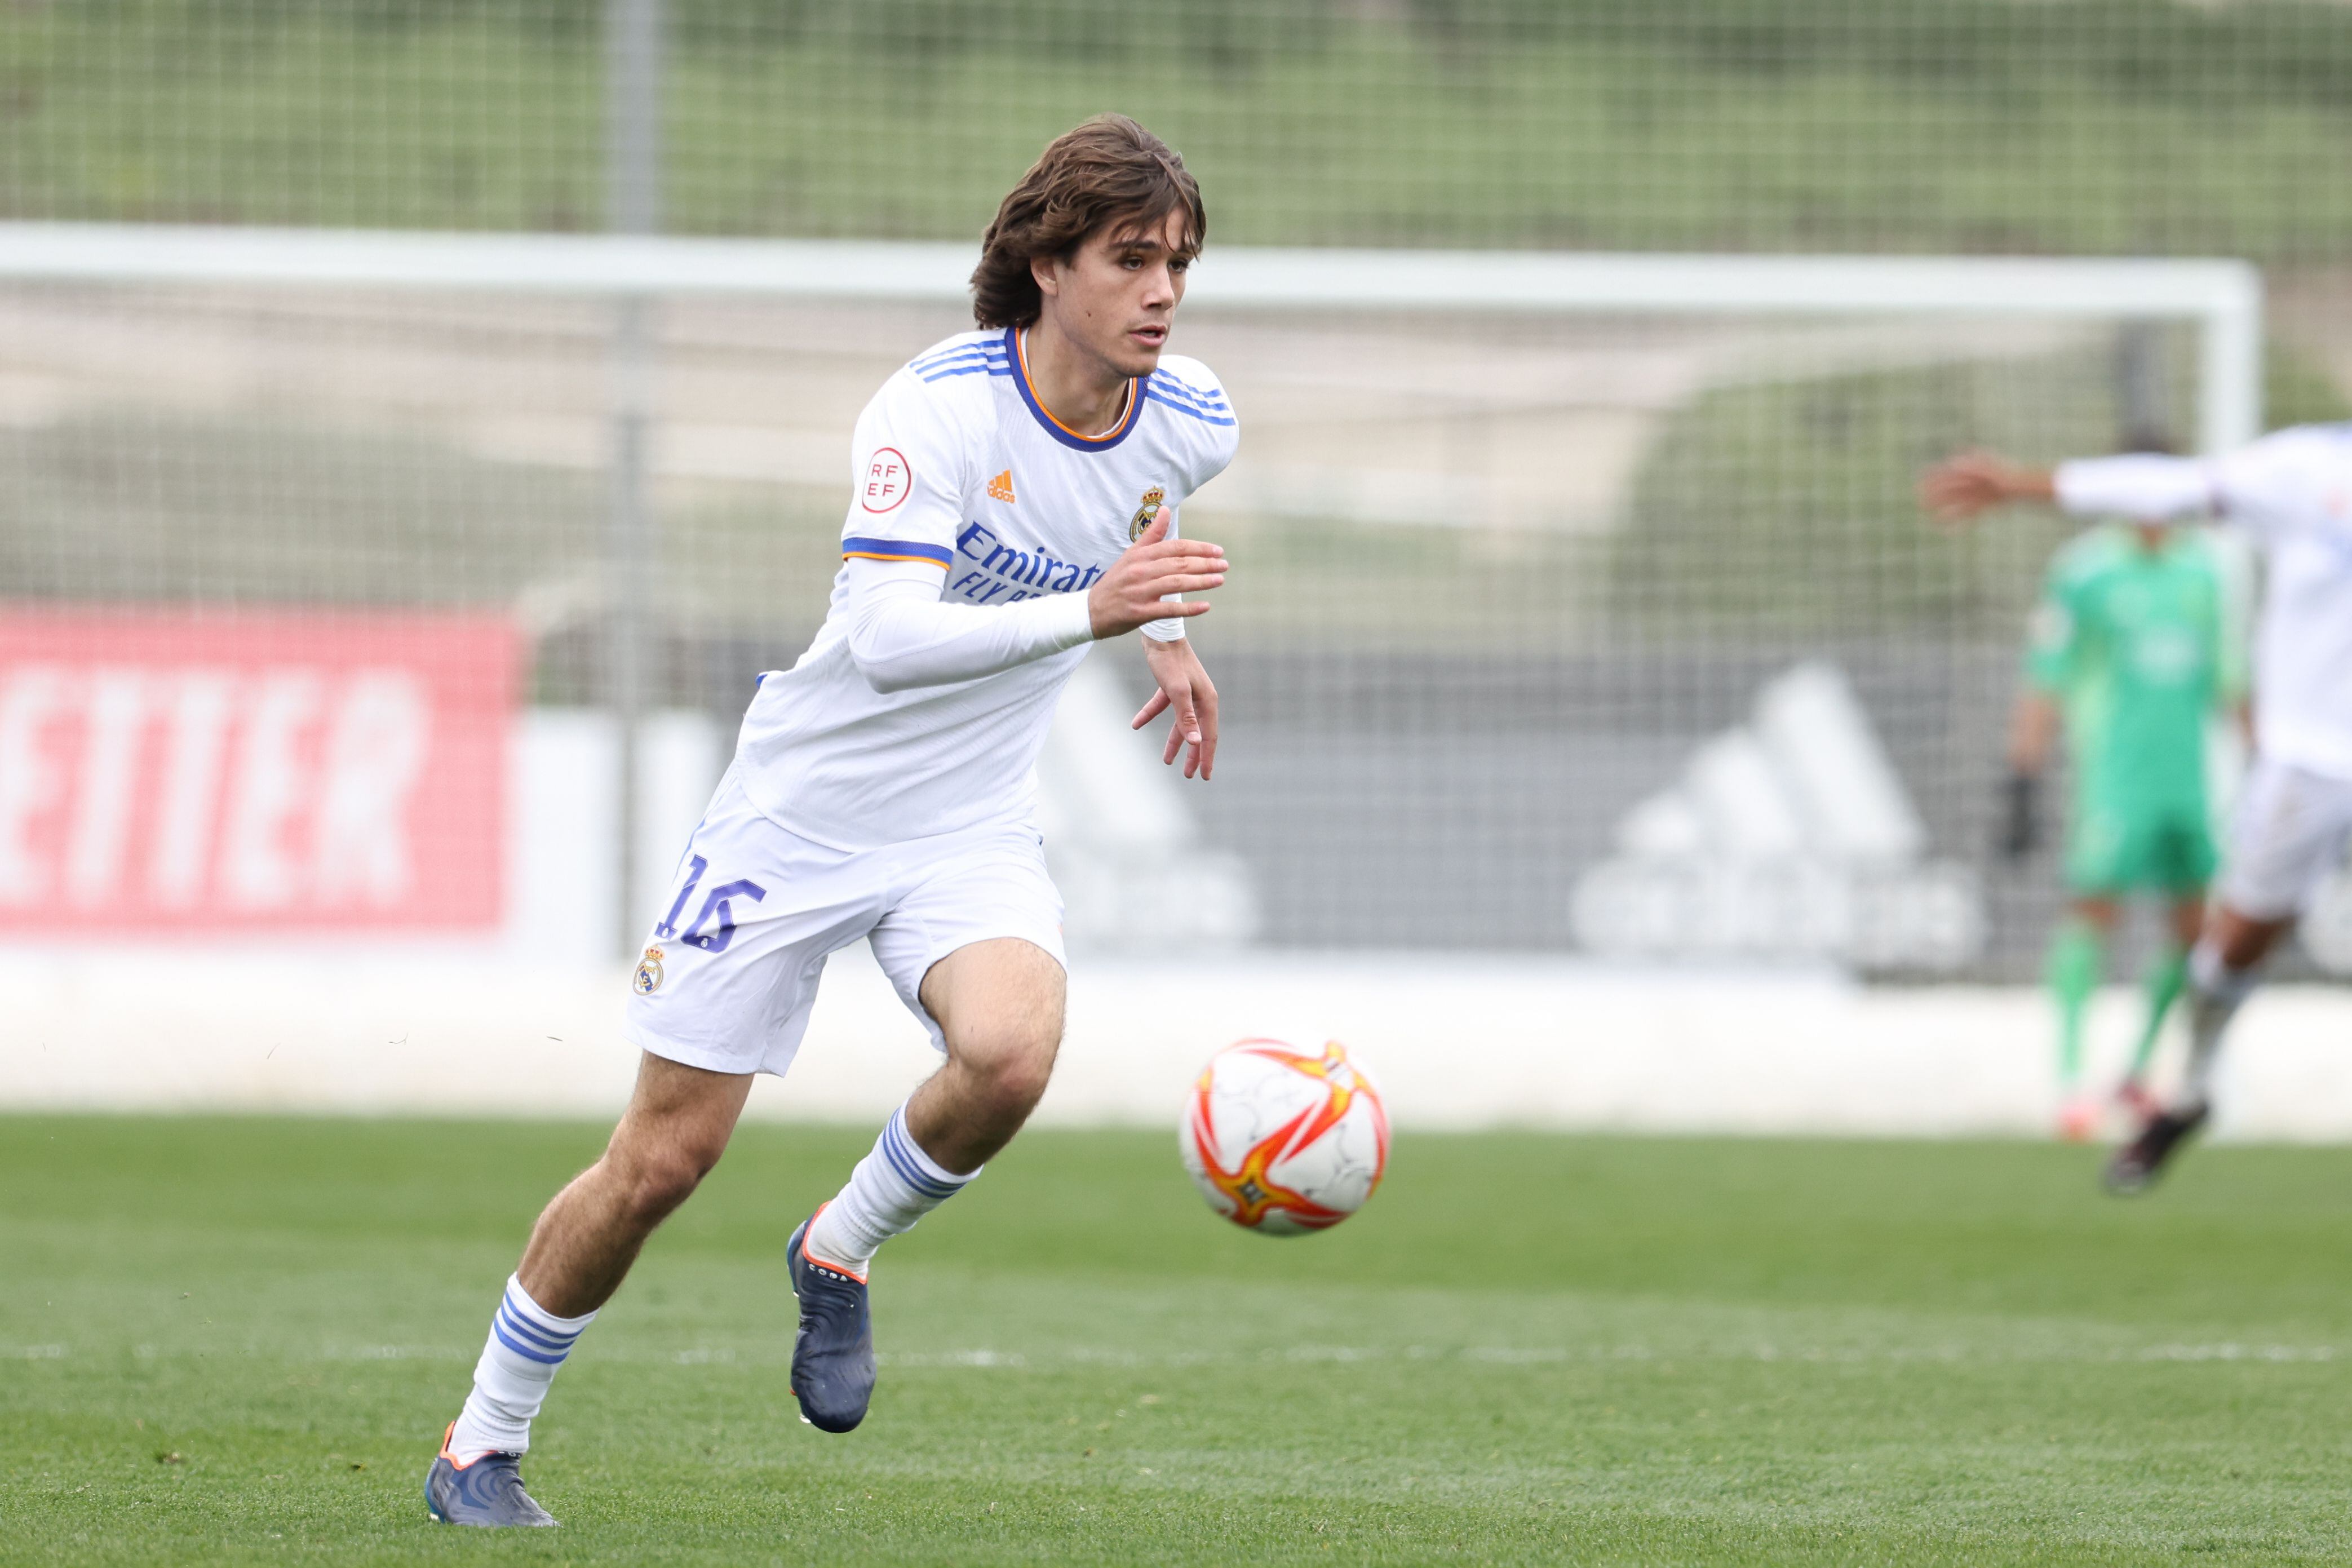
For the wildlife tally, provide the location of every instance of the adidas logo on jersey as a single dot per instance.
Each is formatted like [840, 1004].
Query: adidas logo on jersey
[1001, 487]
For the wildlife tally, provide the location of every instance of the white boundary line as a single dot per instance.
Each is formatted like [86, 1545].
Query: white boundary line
[2224, 296]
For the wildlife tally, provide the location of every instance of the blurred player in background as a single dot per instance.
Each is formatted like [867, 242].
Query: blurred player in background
[2131, 652]
[2291, 493]
[1016, 498]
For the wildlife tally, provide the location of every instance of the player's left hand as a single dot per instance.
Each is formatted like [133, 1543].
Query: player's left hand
[1184, 687]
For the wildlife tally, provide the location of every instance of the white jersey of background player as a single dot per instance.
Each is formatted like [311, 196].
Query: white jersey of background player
[1013, 500]
[2292, 494]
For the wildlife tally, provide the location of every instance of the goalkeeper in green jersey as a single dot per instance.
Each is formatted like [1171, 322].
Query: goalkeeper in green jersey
[2131, 649]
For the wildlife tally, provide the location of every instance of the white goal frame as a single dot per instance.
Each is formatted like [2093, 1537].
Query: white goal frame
[2222, 299]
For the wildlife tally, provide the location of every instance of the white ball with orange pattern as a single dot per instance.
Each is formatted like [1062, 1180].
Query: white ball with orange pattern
[1284, 1141]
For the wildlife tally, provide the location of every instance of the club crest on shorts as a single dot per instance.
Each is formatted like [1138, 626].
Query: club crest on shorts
[1143, 519]
[649, 977]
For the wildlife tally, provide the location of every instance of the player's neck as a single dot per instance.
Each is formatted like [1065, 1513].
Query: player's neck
[1078, 388]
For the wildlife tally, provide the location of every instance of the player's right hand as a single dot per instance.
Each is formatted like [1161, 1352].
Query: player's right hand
[1130, 594]
[1967, 484]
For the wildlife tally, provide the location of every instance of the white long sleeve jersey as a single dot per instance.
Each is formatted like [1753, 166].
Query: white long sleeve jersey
[2291, 493]
[977, 523]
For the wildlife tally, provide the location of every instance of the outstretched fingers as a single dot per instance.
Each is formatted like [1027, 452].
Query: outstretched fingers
[1963, 485]
[1186, 730]
[1181, 582]
[1203, 758]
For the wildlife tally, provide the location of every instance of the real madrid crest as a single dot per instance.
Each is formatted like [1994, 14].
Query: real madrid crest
[1151, 499]
[649, 977]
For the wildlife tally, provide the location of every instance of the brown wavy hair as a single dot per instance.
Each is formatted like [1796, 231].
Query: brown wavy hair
[1109, 173]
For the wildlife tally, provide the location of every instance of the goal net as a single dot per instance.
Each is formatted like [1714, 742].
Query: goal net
[1580, 604]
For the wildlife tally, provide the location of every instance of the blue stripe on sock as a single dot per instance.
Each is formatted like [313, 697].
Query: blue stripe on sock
[918, 1167]
[909, 1164]
[914, 1178]
[531, 1318]
[559, 1343]
[515, 1335]
[530, 1312]
[498, 1327]
[898, 1147]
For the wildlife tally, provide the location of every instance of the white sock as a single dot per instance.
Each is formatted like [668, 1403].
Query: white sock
[892, 1187]
[2215, 994]
[527, 1343]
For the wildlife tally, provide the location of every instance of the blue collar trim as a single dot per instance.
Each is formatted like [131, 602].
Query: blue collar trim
[1055, 427]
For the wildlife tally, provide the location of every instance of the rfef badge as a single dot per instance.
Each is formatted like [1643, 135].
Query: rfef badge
[1151, 499]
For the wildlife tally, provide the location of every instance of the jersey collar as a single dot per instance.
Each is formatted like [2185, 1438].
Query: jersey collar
[1016, 349]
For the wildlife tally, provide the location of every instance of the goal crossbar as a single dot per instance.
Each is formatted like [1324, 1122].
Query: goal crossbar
[2221, 298]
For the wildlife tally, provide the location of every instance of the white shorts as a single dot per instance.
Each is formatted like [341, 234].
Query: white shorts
[730, 971]
[2289, 832]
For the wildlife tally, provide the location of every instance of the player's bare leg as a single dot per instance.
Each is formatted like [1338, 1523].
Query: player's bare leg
[678, 1123]
[676, 1126]
[998, 1004]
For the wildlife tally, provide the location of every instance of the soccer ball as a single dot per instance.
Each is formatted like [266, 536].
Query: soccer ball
[1284, 1142]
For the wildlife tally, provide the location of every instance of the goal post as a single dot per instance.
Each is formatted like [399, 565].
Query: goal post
[2221, 299]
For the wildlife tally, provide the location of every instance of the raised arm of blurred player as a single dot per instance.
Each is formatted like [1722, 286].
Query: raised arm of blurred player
[2274, 484]
[2140, 485]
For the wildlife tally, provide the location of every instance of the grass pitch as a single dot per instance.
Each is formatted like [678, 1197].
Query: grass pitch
[237, 1341]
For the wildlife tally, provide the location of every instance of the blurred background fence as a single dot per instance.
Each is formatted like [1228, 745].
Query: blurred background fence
[1524, 599]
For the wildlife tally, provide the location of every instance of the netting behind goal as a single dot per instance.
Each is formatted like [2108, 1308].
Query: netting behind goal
[1550, 632]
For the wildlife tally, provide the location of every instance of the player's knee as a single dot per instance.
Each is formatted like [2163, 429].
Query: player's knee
[1021, 1082]
[1009, 1068]
[656, 1180]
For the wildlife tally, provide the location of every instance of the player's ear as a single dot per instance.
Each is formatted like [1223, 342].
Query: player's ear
[1047, 271]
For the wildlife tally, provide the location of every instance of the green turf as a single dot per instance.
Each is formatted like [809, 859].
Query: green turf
[227, 1341]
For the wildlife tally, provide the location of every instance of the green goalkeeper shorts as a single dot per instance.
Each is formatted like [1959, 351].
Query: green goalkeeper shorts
[2110, 851]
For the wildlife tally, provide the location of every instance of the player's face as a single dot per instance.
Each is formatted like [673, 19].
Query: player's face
[1118, 295]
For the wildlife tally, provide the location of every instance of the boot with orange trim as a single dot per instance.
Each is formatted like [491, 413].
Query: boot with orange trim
[485, 1490]
[833, 1356]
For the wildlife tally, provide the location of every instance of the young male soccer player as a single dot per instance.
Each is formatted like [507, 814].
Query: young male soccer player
[2130, 648]
[2292, 492]
[1016, 493]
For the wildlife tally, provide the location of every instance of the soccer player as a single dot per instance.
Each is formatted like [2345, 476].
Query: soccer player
[1016, 495]
[2292, 492]
[2129, 652]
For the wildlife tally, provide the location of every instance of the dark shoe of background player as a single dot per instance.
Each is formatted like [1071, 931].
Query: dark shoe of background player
[2133, 1098]
[2136, 1164]
[832, 1357]
[485, 1491]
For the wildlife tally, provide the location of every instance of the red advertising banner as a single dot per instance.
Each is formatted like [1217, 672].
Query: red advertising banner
[210, 771]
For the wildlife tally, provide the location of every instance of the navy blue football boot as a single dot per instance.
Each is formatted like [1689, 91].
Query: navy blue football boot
[485, 1491]
[833, 1356]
